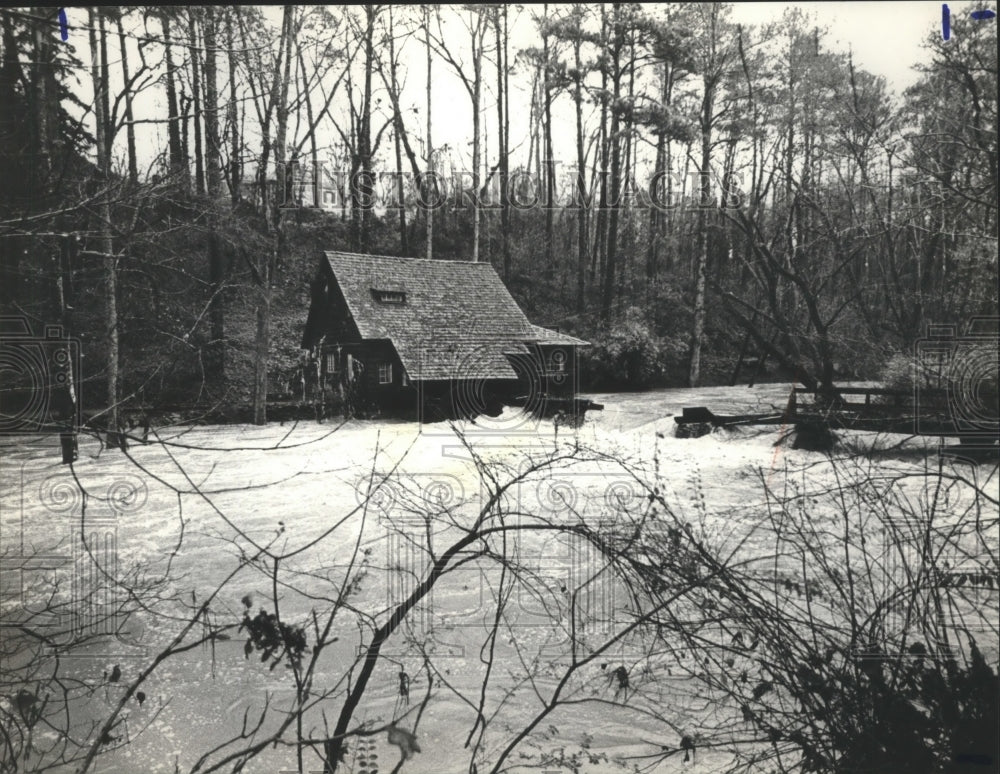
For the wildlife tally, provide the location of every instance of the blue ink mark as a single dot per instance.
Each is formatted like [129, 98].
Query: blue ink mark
[945, 22]
[63, 24]
[984, 14]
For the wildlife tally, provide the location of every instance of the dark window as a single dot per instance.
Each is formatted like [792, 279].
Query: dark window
[389, 296]
[385, 373]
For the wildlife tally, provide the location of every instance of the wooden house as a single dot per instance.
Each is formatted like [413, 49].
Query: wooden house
[443, 338]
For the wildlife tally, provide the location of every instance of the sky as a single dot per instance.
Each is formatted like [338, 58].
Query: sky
[885, 37]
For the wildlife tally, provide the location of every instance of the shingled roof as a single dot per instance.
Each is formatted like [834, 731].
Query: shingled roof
[458, 320]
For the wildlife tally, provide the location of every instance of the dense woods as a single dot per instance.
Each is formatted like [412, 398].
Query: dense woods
[704, 201]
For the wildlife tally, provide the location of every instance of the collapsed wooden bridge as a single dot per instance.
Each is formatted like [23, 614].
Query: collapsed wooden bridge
[974, 419]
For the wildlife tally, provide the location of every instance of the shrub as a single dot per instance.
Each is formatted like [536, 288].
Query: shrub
[626, 356]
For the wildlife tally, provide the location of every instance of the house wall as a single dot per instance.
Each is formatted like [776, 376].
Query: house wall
[548, 369]
[562, 377]
[328, 314]
[370, 396]
[374, 353]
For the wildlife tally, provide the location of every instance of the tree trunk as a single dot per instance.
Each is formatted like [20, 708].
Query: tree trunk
[365, 135]
[624, 260]
[11, 165]
[532, 123]
[713, 68]
[477, 85]
[503, 132]
[213, 155]
[404, 243]
[316, 191]
[213, 163]
[361, 168]
[601, 237]
[661, 174]
[430, 147]
[705, 193]
[66, 393]
[581, 180]
[133, 165]
[199, 159]
[616, 162]
[355, 159]
[177, 161]
[791, 296]
[235, 167]
[271, 260]
[109, 131]
[653, 239]
[39, 95]
[550, 165]
[104, 241]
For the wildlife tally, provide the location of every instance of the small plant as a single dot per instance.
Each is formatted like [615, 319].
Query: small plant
[273, 638]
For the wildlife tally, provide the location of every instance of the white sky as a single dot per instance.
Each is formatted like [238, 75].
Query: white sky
[885, 37]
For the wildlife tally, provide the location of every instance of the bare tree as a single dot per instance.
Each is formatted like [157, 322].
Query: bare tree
[715, 52]
[429, 139]
[476, 25]
[269, 264]
[105, 244]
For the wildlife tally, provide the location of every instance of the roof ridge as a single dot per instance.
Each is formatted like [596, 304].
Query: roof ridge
[349, 254]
